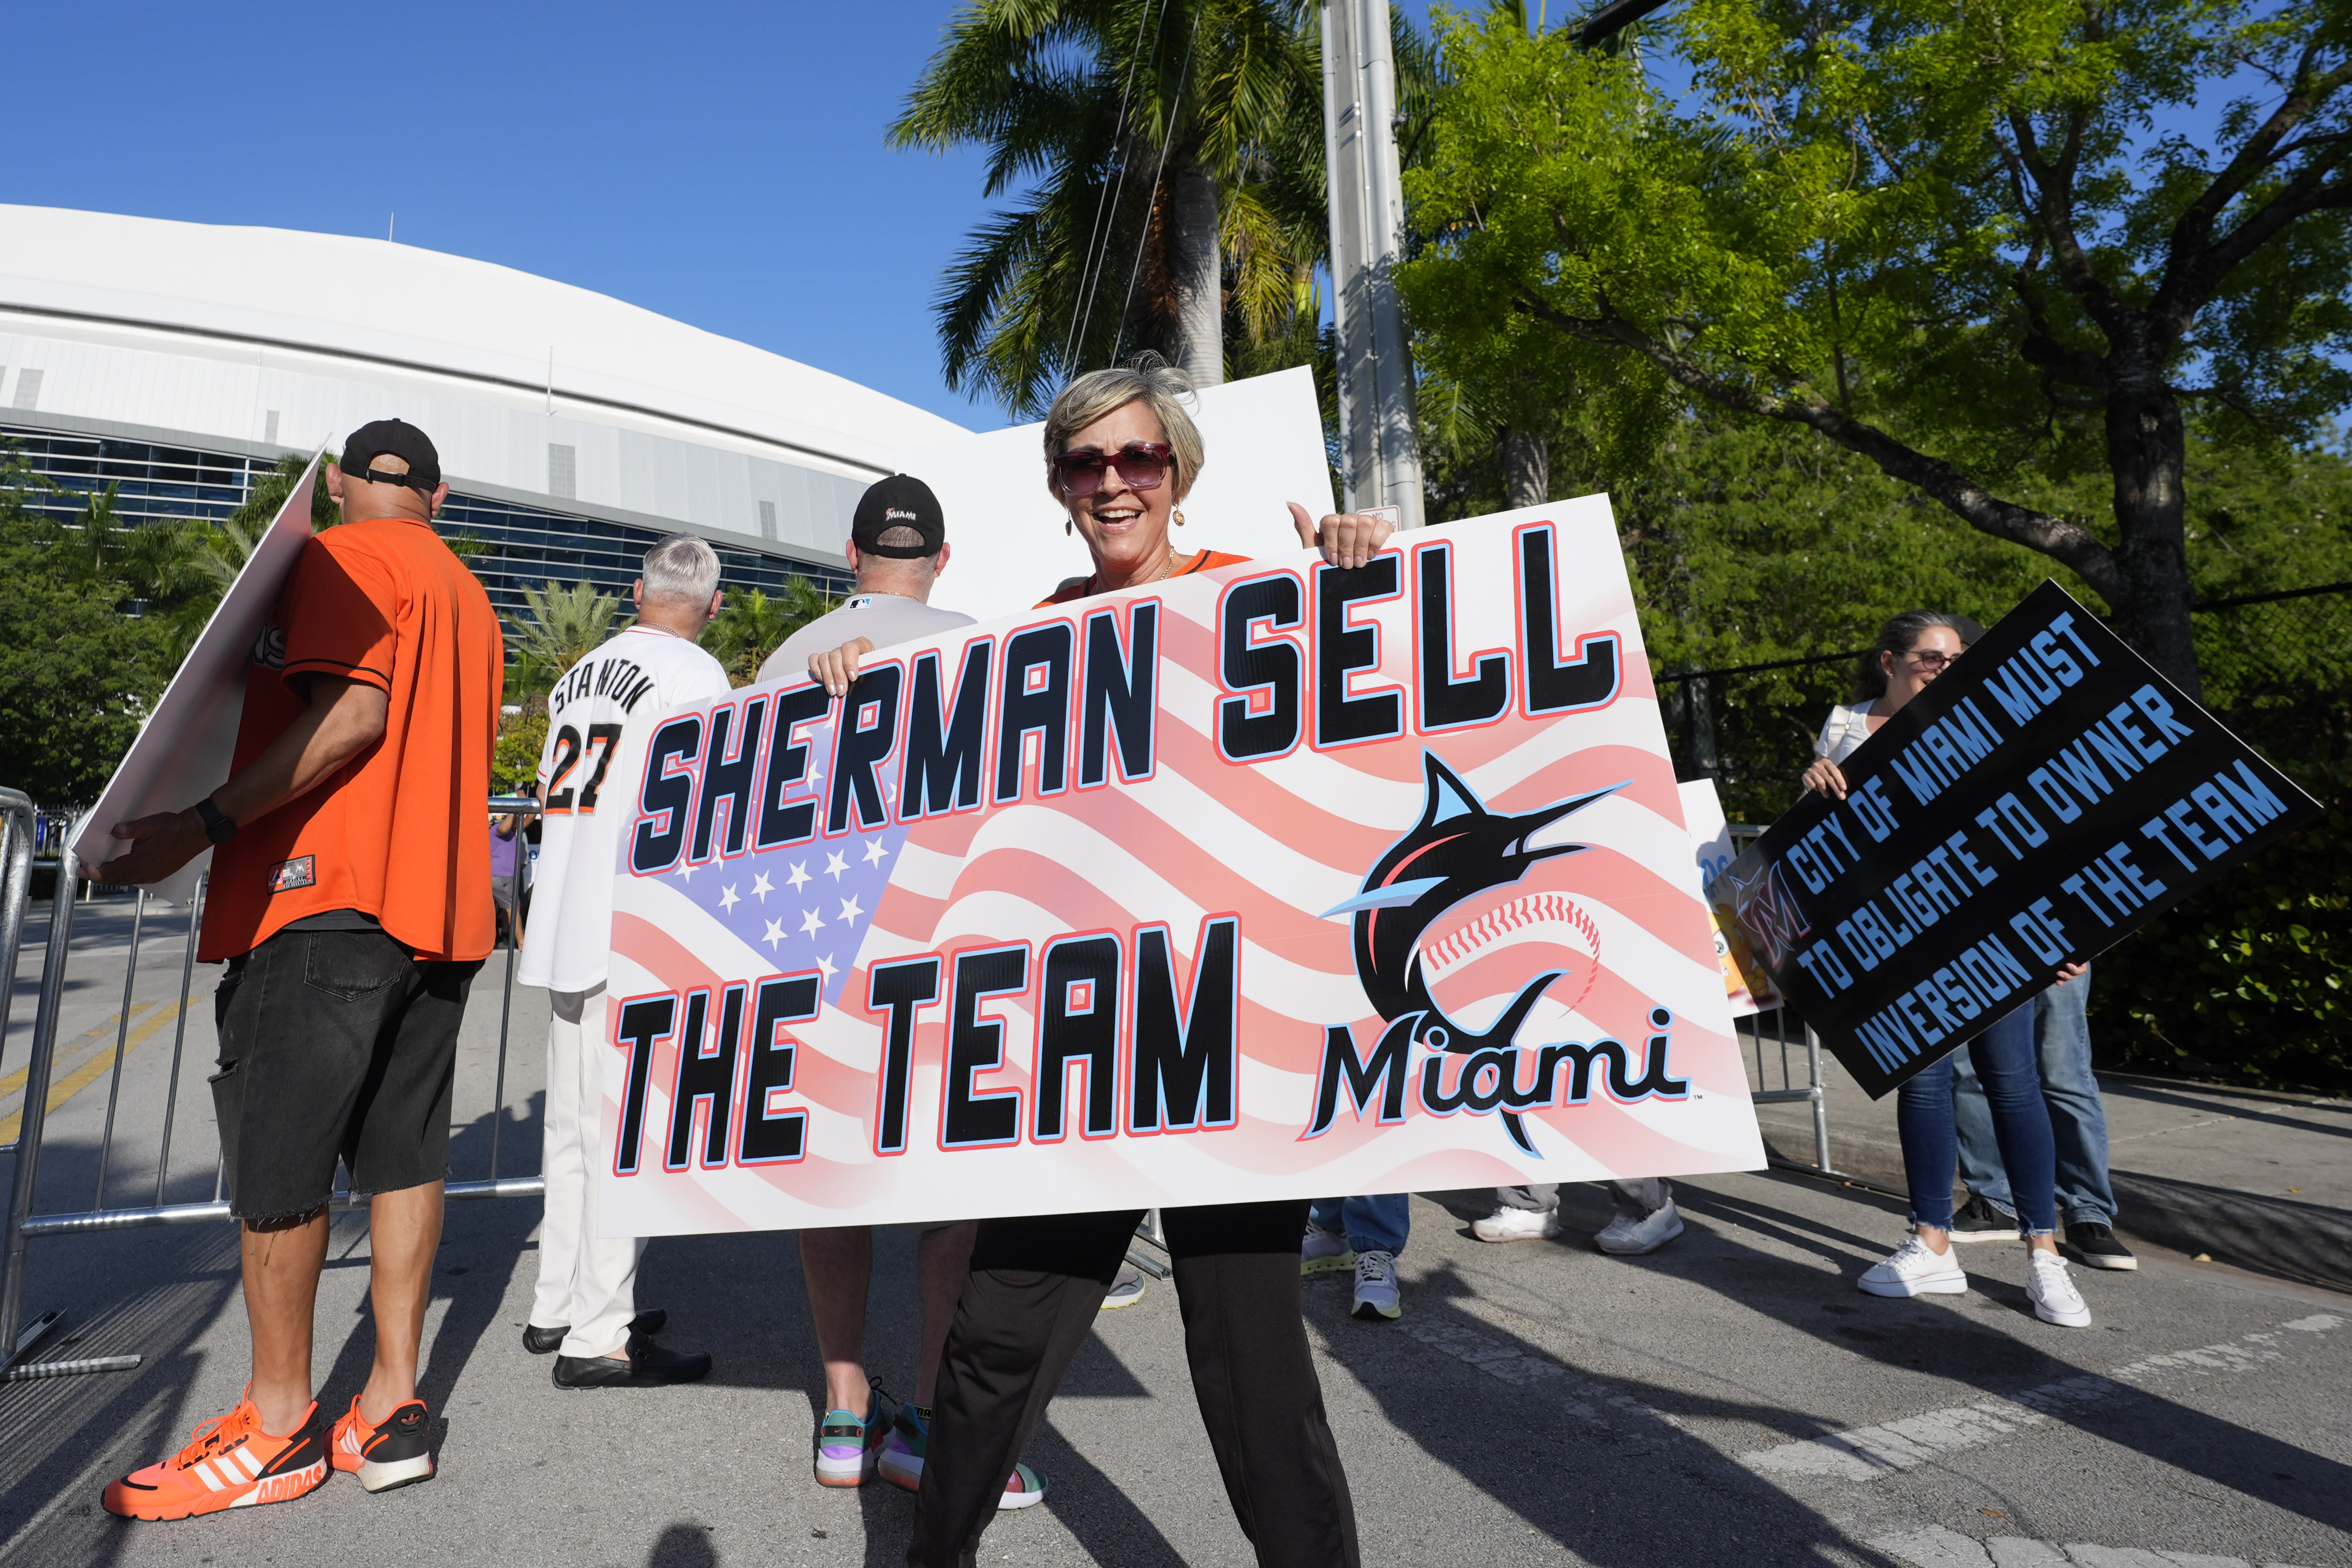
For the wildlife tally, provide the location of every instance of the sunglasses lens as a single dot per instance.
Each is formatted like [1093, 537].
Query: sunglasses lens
[1081, 472]
[1142, 466]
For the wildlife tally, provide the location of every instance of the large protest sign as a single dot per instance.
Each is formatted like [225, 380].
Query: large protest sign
[183, 751]
[2046, 797]
[1275, 880]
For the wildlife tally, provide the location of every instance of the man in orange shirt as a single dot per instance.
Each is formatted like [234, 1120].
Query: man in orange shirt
[350, 896]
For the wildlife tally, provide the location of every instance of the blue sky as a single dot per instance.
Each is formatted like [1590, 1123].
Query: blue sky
[719, 163]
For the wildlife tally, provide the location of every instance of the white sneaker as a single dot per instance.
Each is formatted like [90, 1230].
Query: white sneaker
[1324, 1251]
[1632, 1237]
[1375, 1287]
[1915, 1270]
[2051, 1290]
[1507, 1223]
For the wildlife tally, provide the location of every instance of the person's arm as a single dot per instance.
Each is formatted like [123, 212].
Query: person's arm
[343, 718]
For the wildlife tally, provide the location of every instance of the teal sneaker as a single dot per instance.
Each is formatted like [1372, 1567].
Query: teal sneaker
[848, 1445]
[902, 1455]
[902, 1462]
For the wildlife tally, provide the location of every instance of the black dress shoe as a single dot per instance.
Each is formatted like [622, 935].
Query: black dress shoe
[539, 1341]
[641, 1365]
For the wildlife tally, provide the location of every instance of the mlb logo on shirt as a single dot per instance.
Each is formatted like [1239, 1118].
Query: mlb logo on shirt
[299, 872]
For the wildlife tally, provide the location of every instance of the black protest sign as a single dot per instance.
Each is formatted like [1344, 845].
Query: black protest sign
[2046, 797]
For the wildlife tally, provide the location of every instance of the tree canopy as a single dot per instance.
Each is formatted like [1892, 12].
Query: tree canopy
[1943, 239]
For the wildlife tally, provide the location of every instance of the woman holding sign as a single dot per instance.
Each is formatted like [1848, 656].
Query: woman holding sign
[1912, 650]
[1120, 453]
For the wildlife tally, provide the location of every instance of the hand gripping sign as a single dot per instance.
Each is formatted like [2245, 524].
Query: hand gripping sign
[1276, 881]
[2049, 794]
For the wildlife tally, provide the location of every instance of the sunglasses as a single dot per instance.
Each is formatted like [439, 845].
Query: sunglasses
[1142, 465]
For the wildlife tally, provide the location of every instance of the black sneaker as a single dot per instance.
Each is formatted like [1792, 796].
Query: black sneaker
[1978, 1220]
[2095, 1245]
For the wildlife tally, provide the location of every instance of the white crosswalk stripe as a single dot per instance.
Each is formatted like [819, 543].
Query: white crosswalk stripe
[1866, 1453]
[1937, 1547]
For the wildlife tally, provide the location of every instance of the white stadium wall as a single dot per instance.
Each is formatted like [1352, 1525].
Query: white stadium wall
[252, 342]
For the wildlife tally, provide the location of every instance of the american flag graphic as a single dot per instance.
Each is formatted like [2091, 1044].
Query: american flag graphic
[777, 1061]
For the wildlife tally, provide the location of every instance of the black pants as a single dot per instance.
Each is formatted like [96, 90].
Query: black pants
[1036, 1287]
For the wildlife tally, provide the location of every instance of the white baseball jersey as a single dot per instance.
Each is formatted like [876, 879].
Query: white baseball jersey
[598, 717]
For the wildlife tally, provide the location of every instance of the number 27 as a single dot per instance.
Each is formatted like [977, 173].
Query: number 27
[568, 753]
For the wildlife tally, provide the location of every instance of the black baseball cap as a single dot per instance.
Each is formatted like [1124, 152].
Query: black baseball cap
[401, 440]
[901, 500]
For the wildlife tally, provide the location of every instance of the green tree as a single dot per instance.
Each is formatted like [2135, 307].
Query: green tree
[1917, 232]
[1176, 148]
[752, 626]
[77, 675]
[565, 626]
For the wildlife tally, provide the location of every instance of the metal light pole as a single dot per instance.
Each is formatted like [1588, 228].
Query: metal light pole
[1380, 458]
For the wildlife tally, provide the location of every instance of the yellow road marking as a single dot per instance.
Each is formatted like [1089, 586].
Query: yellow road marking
[14, 1082]
[91, 1071]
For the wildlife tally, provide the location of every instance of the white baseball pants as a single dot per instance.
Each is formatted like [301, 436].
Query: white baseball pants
[586, 1282]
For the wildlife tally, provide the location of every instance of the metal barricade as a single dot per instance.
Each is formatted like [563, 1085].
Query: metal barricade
[17, 1336]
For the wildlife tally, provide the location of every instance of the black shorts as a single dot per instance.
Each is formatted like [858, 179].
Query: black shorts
[334, 1045]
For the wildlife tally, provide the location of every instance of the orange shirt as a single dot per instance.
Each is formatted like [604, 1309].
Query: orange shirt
[1076, 588]
[398, 832]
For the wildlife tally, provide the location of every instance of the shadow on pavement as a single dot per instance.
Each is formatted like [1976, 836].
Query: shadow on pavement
[1978, 1353]
[1620, 1488]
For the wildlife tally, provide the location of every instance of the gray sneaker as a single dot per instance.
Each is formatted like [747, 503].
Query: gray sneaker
[1626, 1237]
[1376, 1297]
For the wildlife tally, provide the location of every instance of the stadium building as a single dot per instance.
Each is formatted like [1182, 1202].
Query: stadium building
[179, 361]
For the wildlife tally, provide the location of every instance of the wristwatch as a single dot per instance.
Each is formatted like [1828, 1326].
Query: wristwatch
[218, 826]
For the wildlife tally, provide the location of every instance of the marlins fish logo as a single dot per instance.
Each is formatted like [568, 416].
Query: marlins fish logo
[1457, 850]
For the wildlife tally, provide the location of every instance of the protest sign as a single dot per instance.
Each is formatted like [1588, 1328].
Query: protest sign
[1271, 881]
[2046, 797]
[181, 753]
[1744, 985]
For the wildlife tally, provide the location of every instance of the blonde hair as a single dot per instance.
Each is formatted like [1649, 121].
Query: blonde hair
[1147, 379]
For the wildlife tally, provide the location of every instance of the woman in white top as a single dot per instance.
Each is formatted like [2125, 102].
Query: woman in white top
[1912, 650]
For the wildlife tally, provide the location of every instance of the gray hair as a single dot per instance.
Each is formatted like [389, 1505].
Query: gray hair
[1147, 379]
[682, 567]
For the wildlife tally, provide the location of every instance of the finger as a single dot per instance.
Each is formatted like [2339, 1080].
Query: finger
[1300, 520]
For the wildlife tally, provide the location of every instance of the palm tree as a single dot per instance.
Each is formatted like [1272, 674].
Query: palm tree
[1177, 150]
[566, 625]
[753, 626]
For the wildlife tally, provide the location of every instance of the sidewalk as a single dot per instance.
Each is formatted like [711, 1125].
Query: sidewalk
[2261, 1181]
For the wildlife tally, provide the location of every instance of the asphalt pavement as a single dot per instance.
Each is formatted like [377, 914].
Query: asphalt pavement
[1732, 1399]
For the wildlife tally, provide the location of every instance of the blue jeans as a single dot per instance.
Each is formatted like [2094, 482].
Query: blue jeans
[2078, 1115]
[1371, 1224]
[2003, 1057]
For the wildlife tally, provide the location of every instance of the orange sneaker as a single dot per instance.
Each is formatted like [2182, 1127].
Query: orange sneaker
[229, 1462]
[396, 1454]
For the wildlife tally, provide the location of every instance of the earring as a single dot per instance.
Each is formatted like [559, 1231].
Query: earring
[1066, 528]
[1178, 516]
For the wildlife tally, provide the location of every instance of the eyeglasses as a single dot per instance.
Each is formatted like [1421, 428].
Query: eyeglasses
[1142, 465]
[1930, 660]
